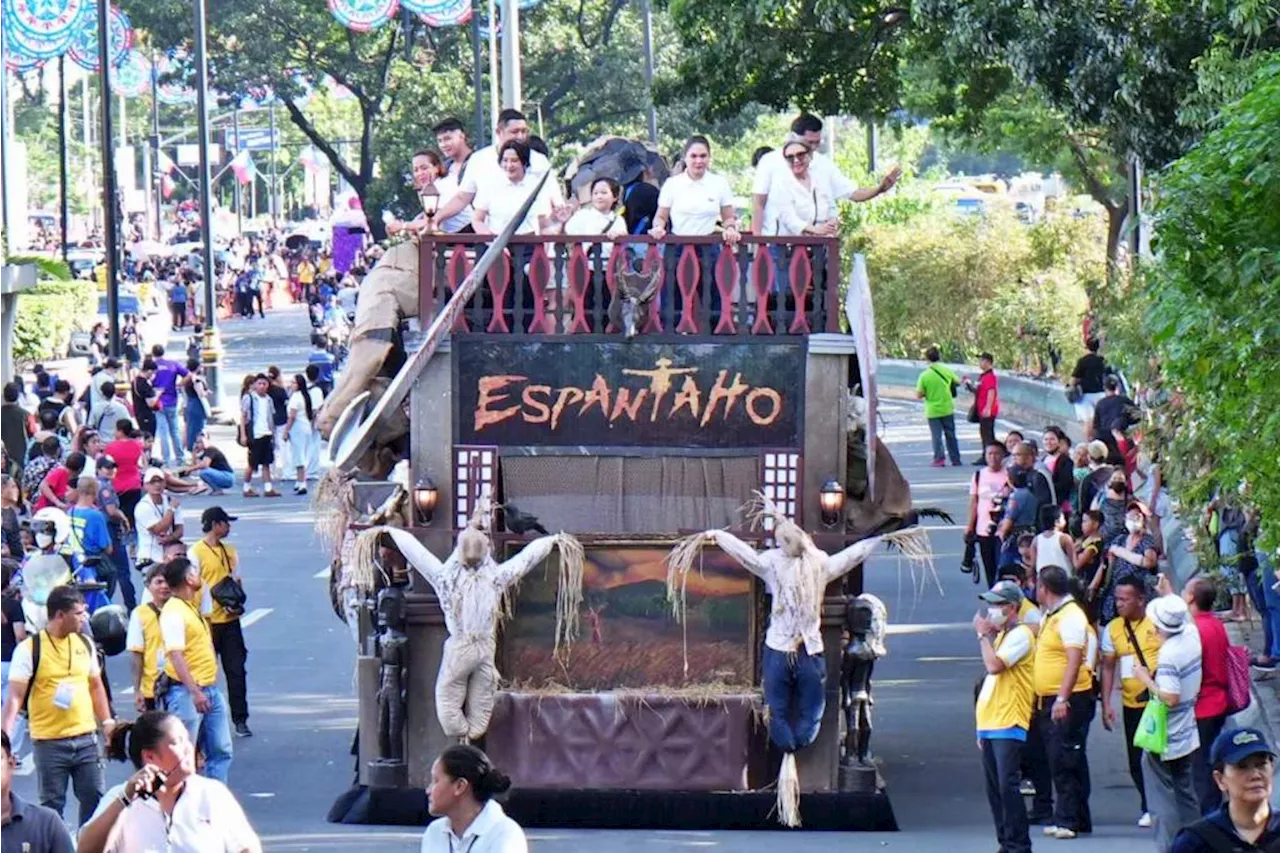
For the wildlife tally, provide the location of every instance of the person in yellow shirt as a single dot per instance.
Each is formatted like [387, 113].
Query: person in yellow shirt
[1066, 650]
[1130, 639]
[56, 677]
[1003, 709]
[216, 561]
[192, 667]
[144, 642]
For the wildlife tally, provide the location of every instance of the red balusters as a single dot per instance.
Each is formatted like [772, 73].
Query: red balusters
[579, 279]
[763, 276]
[688, 274]
[537, 280]
[801, 282]
[727, 285]
[459, 268]
[499, 279]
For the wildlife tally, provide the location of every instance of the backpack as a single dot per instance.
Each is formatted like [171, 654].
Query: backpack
[35, 662]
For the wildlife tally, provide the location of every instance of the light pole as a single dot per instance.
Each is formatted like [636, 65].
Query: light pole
[477, 70]
[212, 351]
[110, 236]
[511, 95]
[648, 69]
[63, 189]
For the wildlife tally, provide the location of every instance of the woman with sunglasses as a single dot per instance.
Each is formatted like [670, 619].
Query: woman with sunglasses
[164, 805]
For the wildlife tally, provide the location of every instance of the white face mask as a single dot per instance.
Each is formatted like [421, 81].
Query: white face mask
[996, 617]
[44, 540]
[1132, 525]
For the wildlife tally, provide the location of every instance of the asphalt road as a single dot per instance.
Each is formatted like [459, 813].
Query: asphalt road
[303, 710]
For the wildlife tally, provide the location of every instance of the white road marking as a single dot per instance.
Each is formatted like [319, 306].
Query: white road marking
[323, 573]
[128, 691]
[254, 616]
[926, 627]
[949, 659]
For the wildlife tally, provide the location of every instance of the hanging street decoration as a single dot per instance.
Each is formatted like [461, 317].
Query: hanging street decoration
[51, 20]
[27, 44]
[363, 15]
[173, 92]
[133, 78]
[84, 47]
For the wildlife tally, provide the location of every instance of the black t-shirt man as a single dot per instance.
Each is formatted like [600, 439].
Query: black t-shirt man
[280, 401]
[640, 205]
[142, 391]
[1090, 370]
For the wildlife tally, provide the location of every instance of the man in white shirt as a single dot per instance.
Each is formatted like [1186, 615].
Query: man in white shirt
[773, 167]
[159, 520]
[451, 136]
[483, 165]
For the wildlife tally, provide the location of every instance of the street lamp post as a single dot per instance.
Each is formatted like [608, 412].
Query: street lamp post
[477, 70]
[648, 69]
[63, 189]
[511, 95]
[110, 235]
[212, 352]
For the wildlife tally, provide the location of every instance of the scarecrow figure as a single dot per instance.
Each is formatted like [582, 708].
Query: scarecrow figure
[796, 575]
[474, 591]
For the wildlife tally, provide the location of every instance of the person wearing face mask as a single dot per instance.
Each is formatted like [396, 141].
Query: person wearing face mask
[1170, 776]
[1003, 709]
[1243, 769]
[164, 805]
[1132, 553]
[1129, 639]
[470, 584]
[191, 665]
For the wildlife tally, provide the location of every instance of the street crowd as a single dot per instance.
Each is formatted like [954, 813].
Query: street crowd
[1079, 606]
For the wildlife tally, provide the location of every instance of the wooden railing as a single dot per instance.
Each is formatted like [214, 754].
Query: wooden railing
[565, 285]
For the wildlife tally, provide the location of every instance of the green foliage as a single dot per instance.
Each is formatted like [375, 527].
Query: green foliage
[51, 269]
[970, 284]
[1214, 304]
[48, 314]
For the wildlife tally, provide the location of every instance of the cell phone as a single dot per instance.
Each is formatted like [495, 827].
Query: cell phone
[156, 784]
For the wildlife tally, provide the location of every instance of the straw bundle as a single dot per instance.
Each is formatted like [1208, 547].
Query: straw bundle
[789, 792]
[679, 562]
[364, 560]
[335, 507]
[568, 591]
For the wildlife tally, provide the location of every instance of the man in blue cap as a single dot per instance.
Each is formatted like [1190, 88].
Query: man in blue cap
[1243, 764]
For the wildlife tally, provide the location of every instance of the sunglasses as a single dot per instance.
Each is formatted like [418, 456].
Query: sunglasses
[796, 158]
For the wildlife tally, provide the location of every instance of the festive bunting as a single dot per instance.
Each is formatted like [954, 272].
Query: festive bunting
[84, 47]
[363, 15]
[50, 20]
[173, 93]
[449, 14]
[133, 78]
[27, 45]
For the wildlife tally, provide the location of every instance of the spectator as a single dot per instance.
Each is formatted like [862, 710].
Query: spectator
[1098, 477]
[639, 198]
[192, 667]
[195, 392]
[1131, 553]
[216, 560]
[1058, 465]
[60, 405]
[322, 360]
[55, 676]
[692, 202]
[10, 527]
[1112, 414]
[1004, 709]
[499, 198]
[108, 501]
[212, 467]
[39, 466]
[451, 136]
[1113, 503]
[98, 397]
[1052, 546]
[178, 303]
[1211, 703]
[54, 487]
[257, 431]
[90, 539]
[28, 827]
[131, 341]
[428, 170]
[1086, 379]
[801, 203]
[174, 809]
[460, 797]
[168, 372]
[1065, 653]
[1129, 639]
[937, 387]
[1169, 777]
[986, 401]
[486, 167]
[144, 641]
[1088, 560]
[1231, 522]
[158, 519]
[1243, 767]
[766, 190]
[110, 410]
[145, 397]
[128, 451]
[14, 422]
[600, 218]
[88, 442]
[988, 487]
[299, 431]
[1039, 479]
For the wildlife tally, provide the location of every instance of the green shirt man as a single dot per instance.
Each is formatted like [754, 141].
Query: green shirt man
[934, 387]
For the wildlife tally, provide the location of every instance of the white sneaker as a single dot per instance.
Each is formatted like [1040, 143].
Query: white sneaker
[1050, 831]
[1063, 834]
[1145, 820]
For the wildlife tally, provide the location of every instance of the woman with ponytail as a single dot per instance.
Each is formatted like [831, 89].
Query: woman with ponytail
[460, 797]
[164, 805]
[300, 432]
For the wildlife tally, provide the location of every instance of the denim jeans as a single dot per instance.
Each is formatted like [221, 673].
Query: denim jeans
[75, 759]
[124, 576]
[215, 479]
[1001, 760]
[210, 732]
[167, 439]
[795, 687]
[940, 427]
[1270, 611]
[195, 421]
[17, 737]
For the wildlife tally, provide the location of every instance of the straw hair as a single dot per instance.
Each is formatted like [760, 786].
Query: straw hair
[573, 561]
[335, 507]
[364, 561]
[788, 804]
[680, 561]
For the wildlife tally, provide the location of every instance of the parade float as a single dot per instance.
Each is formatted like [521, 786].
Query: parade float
[567, 420]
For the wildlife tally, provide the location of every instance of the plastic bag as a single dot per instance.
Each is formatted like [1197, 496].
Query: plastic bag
[1153, 729]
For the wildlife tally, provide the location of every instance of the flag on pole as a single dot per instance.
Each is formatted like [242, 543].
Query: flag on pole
[165, 165]
[166, 185]
[310, 159]
[243, 167]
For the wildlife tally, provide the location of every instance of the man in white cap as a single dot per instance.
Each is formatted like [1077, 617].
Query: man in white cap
[158, 518]
[1170, 776]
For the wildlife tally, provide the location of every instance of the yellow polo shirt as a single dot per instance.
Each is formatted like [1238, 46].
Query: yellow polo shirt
[184, 630]
[1005, 700]
[60, 678]
[1116, 644]
[147, 641]
[1067, 627]
[214, 564]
